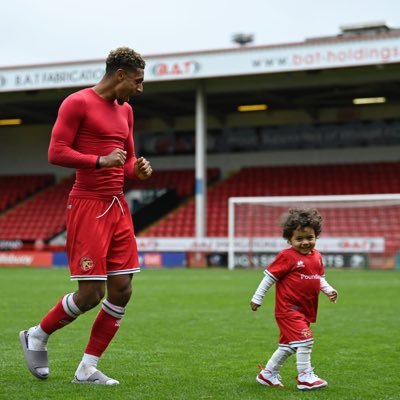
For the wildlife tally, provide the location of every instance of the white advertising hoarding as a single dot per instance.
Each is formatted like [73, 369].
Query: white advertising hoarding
[338, 53]
[269, 245]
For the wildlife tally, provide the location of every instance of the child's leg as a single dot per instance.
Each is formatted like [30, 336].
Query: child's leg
[277, 359]
[296, 334]
[269, 376]
[306, 379]
[303, 359]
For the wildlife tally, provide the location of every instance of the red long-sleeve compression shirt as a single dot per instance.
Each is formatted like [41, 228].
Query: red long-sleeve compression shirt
[89, 126]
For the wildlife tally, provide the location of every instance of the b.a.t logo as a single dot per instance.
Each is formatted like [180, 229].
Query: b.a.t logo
[86, 264]
[176, 68]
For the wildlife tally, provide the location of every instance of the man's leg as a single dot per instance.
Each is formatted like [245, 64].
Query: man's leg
[105, 326]
[70, 306]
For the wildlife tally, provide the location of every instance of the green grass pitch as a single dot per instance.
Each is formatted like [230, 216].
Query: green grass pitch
[190, 334]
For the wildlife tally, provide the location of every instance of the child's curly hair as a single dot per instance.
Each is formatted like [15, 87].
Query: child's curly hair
[125, 58]
[301, 218]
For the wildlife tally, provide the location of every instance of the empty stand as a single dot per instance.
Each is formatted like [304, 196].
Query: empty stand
[15, 188]
[43, 215]
[282, 181]
[40, 217]
[182, 180]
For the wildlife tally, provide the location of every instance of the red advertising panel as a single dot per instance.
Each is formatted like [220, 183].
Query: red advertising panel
[152, 259]
[26, 259]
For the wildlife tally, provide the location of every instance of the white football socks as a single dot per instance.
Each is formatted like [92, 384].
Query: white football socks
[87, 367]
[90, 360]
[303, 359]
[277, 359]
[37, 339]
[83, 372]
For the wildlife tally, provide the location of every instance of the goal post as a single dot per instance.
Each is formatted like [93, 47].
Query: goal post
[364, 226]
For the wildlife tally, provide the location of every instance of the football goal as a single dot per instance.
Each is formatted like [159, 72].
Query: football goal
[358, 230]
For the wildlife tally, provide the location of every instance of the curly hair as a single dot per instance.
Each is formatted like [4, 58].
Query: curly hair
[125, 58]
[301, 218]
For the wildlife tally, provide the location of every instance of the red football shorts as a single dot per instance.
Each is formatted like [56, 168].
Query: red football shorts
[100, 238]
[295, 331]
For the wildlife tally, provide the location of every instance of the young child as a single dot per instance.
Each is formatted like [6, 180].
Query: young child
[299, 276]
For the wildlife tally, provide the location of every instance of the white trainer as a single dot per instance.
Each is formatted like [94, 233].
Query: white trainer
[269, 378]
[310, 381]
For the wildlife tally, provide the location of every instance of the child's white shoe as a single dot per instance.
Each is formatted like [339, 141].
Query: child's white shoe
[269, 378]
[310, 381]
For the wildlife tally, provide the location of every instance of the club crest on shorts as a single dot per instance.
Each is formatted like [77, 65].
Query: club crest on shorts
[306, 333]
[86, 264]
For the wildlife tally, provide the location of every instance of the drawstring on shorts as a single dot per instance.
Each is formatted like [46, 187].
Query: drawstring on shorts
[115, 199]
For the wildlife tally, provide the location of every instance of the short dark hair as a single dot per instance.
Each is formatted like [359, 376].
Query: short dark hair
[125, 58]
[301, 218]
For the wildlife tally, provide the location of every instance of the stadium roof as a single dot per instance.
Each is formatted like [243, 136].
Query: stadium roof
[321, 73]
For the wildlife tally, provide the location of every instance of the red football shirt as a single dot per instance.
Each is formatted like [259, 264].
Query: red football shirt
[89, 126]
[297, 279]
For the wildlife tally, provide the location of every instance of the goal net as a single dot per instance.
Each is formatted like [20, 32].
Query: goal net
[358, 230]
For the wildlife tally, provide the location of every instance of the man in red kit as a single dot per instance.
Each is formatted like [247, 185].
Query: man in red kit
[94, 134]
